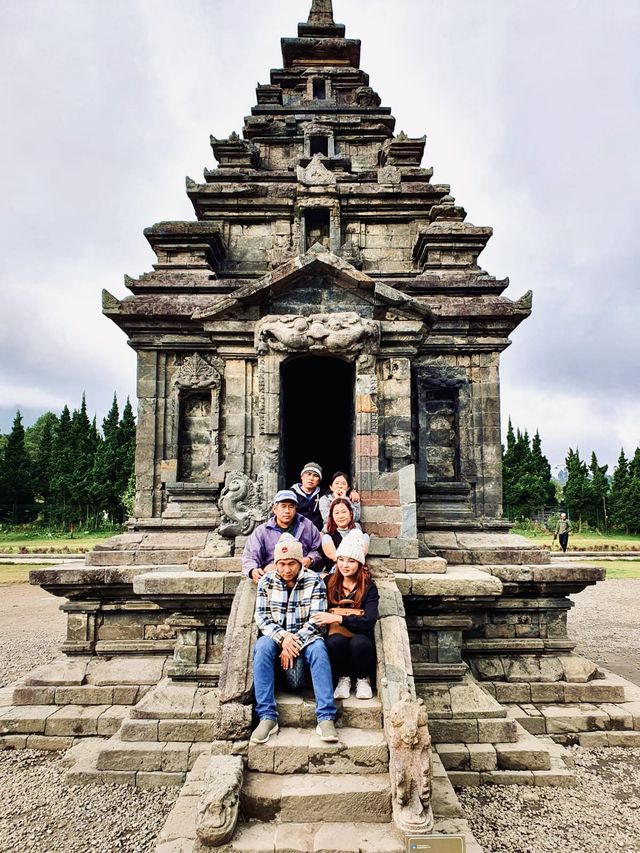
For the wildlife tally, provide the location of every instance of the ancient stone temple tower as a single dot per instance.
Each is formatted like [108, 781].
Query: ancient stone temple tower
[327, 303]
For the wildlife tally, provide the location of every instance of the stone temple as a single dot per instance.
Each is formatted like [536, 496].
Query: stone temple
[326, 303]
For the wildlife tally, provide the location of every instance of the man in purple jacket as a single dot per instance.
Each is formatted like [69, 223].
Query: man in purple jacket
[257, 558]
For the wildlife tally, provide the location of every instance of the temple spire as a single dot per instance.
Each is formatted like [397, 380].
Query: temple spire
[321, 13]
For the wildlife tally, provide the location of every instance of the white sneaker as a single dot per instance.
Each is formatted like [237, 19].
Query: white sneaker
[343, 690]
[363, 689]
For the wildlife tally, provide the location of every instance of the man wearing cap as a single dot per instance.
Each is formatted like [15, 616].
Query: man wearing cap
[287, 601]
[257, 557]
[308, 493]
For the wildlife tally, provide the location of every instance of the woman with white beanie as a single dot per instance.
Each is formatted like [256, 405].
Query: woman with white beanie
[353, 611]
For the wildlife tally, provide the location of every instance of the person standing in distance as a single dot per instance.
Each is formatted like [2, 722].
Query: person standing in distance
[563, 529]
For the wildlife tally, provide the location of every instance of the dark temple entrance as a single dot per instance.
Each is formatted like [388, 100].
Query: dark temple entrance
[317, 410]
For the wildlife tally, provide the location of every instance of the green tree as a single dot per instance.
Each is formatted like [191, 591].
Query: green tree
[633, 493]
[16, 474]
[526, 471]
[619, 497]
[599, 489]
[577, 493]
[127, 447]
[62, 465]
[105, 489]
[40, 440]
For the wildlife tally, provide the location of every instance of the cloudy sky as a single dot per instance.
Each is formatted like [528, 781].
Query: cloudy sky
[531, 109]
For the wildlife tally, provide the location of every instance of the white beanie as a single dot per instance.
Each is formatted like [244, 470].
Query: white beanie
[288, 548]
[353, 546]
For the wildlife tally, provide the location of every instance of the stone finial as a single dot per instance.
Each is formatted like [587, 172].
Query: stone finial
[321, 13]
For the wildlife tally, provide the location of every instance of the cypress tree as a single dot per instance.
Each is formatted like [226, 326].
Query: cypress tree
[83, 454]
[633, 493]
[577, 488]
[104, 475]
[619, 497]
[542, 470]
[17, 472]
[599, 490]
[62, 468]
[127, 447]
[42, 435]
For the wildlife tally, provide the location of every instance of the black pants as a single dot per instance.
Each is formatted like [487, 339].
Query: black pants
[563, 539]
[352, 656]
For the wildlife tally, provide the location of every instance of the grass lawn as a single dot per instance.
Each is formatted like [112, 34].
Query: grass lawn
[57, 543]
[12, 574]
[628, 570]
[586, 541]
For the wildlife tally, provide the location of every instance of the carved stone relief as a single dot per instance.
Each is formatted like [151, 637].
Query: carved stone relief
[219, 806]
[410, 765]
[342, 332]
[240, 506]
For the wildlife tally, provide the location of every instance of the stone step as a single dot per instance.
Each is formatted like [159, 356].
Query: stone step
[84, 694]
[299, 711]
[298, 750]
[559, 692]
[328, 797]
[526, 753]
[466, 700]
[167, 757]
[484, 730]
[62, 721]
[84, 770]
[592, 740]
[159, 557]
[572, 720]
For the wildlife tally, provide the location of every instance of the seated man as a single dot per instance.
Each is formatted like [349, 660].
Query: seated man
[288, 599]
[257, 557]
[308, 493]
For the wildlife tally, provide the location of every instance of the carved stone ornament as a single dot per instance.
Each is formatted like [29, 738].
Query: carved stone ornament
[367, 97]
[316, 174]
[342, 332]
[219, 806]
[410, 765]
[197, 372]
[240, 505]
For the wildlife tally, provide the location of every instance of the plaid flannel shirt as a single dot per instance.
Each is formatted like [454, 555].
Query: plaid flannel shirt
[276, 617]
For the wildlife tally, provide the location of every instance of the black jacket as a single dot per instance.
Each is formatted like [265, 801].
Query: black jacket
[365, 624]
[310, 508]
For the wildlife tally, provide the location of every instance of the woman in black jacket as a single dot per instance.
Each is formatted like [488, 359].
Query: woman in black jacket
[350, 639]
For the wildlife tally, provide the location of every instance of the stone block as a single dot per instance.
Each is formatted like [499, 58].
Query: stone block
[497, 731]
[119, 755]
[594, 691]
[64, 672]
[454, 731]
[552, 693]
[74, 720]
[86, 695]
[26, 719]
[427, 565]
[181, 823]
[569, 720]
[336, 798]
[508, 777]
[464, 778]
[187, 730]
[49, 743]
[175, 758]
[254, 839]
[171, 700]
[139, 730]
[507, 693]
[109, 722]
[526, 753]
[125, 671]
[454, 756]
[620, 717]
[379, 547]
[482, 757]
[34, 696]
[405, 548]
[8, 742]
[294, 838]
[158, 779]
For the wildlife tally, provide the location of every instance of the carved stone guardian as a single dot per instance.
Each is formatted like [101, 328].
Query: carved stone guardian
[219, 805]
[410, 765]
[240, 506]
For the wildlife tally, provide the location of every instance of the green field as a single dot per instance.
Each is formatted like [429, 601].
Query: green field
[586, 541]
[57, 543]
[17, 573]
[628, 570]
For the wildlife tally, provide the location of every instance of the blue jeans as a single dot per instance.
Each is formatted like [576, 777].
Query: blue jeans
[315, 655]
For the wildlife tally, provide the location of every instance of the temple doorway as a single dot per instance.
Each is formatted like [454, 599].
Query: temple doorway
[317, 410]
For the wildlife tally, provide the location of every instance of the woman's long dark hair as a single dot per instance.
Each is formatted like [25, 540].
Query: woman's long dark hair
[335, 593]
[331, 525]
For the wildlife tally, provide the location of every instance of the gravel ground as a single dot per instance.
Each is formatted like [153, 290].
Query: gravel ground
[600, 815]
